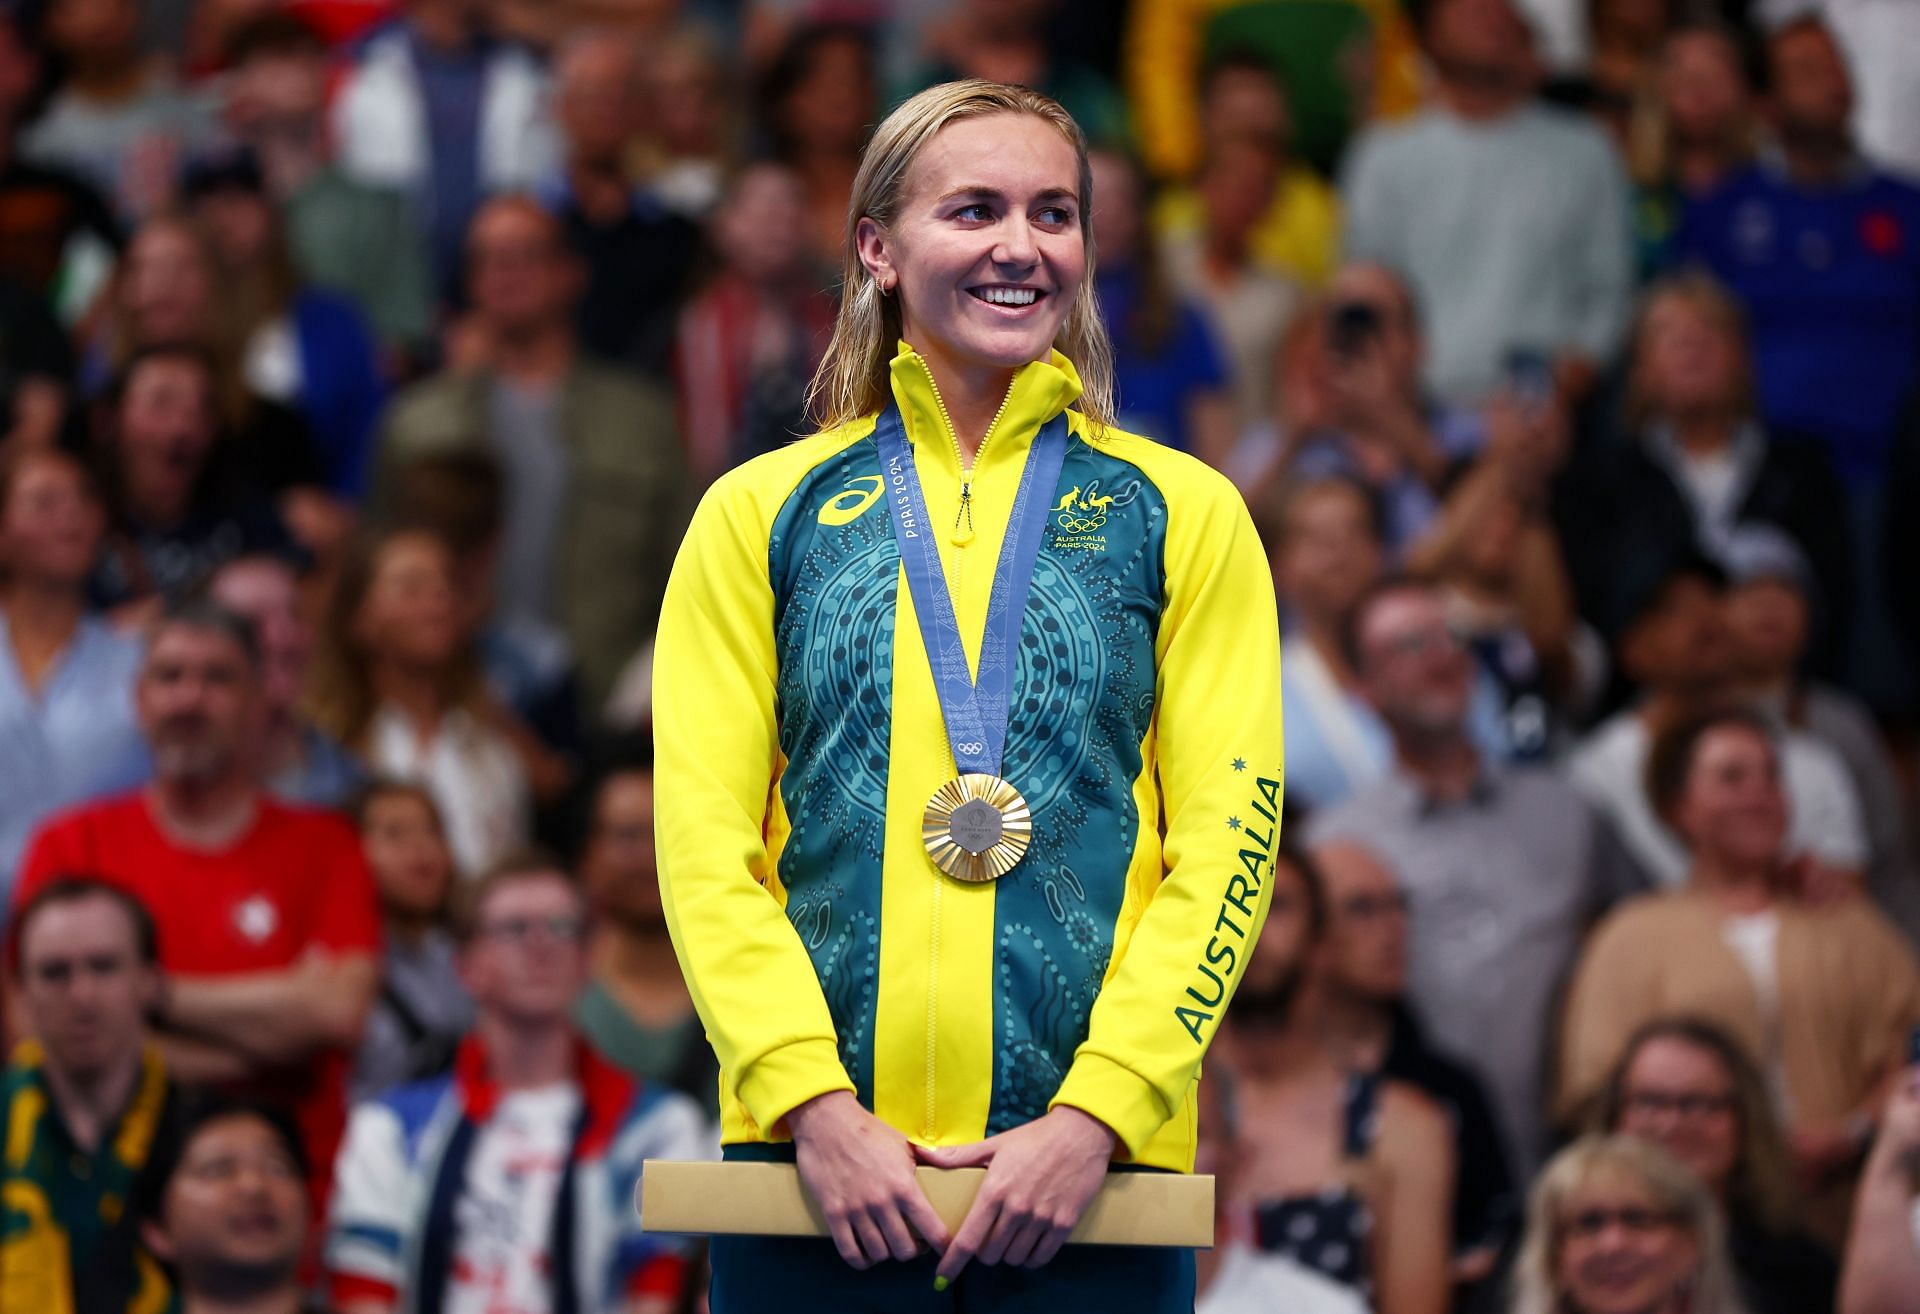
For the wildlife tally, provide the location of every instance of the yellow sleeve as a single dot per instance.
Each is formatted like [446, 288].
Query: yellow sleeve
[1161, 67]
[716, 754]
[1217, 752]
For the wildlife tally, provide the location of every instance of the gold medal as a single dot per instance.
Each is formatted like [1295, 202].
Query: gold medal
[976, 828]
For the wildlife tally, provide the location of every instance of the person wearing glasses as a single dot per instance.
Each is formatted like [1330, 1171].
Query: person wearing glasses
[1688, 1086]
[507, 1183]
[1820, 992]
[1616, 1224]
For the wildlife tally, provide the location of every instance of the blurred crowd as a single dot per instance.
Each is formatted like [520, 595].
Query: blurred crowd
[361, 362]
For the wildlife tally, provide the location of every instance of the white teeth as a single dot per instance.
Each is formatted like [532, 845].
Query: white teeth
[1008, 296]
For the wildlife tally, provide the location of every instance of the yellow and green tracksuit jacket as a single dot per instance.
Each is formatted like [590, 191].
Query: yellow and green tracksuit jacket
[798, 739]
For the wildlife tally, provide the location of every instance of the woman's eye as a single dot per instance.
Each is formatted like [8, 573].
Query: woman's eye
[1056, 215]
[978, 211]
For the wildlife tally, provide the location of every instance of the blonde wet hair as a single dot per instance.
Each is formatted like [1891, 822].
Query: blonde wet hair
[1673, 1189]
[852, 379]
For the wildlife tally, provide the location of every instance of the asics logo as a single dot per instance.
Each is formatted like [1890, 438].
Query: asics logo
[846, 507]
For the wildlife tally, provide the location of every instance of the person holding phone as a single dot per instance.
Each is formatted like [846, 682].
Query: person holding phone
[967, 720]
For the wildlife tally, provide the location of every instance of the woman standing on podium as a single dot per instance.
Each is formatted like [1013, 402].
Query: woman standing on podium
[969, 754]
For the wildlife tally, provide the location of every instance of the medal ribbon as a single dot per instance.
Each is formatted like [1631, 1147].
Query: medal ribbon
[975, 710]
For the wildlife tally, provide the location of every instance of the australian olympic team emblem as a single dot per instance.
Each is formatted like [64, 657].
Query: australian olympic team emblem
[1083, 510]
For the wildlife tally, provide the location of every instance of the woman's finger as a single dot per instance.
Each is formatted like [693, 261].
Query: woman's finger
[1006, 1225]
[842, 1233]
[898, 1236]
[1021, 1245]
[979, 1222]
[873, 1246]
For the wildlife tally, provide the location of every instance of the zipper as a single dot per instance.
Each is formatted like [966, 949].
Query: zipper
[962, 537]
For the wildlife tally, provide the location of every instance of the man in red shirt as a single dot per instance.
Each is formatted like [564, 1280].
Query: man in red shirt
[268, 926]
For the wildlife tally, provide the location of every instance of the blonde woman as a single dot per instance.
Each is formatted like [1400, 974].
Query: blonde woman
[1617, 1226]
[968, 734]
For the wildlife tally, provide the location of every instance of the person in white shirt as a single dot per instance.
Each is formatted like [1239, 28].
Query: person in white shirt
[1678, 649]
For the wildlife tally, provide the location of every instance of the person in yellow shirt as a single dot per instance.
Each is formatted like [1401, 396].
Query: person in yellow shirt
[967, 722]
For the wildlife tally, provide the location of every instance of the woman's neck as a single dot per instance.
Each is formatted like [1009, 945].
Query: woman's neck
[42, 619]
[414, 692]
[1705, 433]
[1736, 887]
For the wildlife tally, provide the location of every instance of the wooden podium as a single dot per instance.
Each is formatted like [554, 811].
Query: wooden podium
[766, 1199]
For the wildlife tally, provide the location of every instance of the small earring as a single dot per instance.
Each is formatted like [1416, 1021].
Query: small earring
[886, 286]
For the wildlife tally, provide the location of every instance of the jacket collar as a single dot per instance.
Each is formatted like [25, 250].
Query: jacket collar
[1040, 390]
[606, 1091]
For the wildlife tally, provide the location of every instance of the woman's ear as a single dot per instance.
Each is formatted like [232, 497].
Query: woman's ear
[875, 249]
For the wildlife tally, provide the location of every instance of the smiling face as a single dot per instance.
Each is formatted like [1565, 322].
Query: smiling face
[50, 521]
[1681, 1096]
[1620, 1252]
[987, 252]
[1733, 808]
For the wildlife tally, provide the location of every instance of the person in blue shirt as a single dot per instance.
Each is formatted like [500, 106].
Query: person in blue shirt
[1170, 372]
[67, 730]
[1824, 253]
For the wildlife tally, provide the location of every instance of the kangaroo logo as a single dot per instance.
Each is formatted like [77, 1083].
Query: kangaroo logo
[845, 507]
[1084, 510]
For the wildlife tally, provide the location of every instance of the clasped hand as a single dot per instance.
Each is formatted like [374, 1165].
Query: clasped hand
[1040, 1179]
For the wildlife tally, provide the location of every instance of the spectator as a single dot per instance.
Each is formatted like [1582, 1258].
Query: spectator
[87, 1103]
[1232, 1276]
[1689, 1087]
[1008, 41]
[307, 350]
[460, 498]
[1326, 558]
[1678, 650]
[423, 1009]
[179, 503]
[1496, 559]
[750, 340]
[1503, 868]
[67, 730]
[636, 1009]
[1299, 1111]
[1344, 64]
[1882, 1273]
[1247, 306]
[1819, 248]
[1706, 130]
[436, 108]
[299, 762]
[1771, 610]
[689, 150]
[399, 683]
[1695, 463]
[1168, 370]
[267, 922]
[1615, 1224]
[117, 119]
[1379, 425]
[637, 253]
[166, 294]
[1299, 235]
[1821, 994]
[348, 238]
[225, 1210]
[490, 1186]
[1371, 1028]
[1509, 218]
[595, 480]
[817, 104]
[58, 238]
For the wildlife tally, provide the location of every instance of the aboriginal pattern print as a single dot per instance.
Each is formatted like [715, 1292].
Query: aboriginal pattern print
[1083, 699]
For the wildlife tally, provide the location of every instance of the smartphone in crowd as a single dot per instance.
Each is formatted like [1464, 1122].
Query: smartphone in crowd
[1350, 327]
[1529, 376]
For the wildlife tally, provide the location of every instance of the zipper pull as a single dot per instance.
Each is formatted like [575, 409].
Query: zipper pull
[963, 533]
